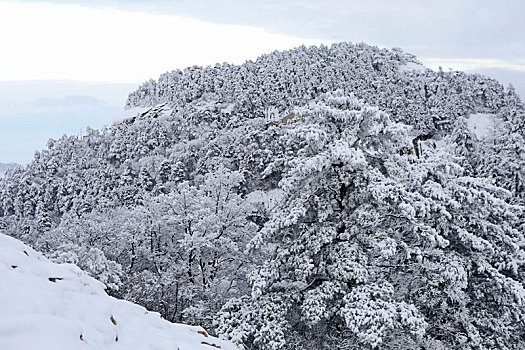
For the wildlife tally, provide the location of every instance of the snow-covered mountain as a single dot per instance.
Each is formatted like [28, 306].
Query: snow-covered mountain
[323, 197]
[49, 306]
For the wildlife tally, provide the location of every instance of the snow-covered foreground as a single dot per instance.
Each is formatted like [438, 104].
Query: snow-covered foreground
[50, 306]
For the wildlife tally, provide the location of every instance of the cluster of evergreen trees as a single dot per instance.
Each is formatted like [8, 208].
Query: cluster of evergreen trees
[323, 197]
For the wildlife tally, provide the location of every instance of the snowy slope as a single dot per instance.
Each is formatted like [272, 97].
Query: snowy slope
[412, 66]
[481, 124]
[48, 306]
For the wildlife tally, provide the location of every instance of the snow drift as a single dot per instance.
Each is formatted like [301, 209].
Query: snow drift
[44, 305]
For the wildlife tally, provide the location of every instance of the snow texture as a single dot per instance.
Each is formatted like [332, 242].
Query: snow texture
[481, 124]
[50, 306]
[130, 113]
[412, 66]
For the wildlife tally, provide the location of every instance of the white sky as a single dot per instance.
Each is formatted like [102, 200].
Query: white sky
[42, 41]
[51, 41]
[106, 41]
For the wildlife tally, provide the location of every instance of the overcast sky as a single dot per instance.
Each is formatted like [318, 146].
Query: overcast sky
[119, 39]
[129, 41]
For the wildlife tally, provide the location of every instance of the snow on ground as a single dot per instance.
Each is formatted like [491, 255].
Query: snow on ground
[48, 306]
[228, 109]
[481, 124]
[412, 66]
[130, 113]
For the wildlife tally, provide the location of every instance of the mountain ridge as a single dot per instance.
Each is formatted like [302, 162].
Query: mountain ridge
[372, 74]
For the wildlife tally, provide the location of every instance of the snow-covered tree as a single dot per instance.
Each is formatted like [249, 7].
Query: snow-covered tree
[368, 242]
